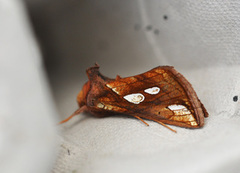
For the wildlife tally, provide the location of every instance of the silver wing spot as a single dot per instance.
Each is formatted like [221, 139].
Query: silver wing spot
[153, 90]
[135, 98]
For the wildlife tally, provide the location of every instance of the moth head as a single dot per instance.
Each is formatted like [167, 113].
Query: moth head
[82, 96]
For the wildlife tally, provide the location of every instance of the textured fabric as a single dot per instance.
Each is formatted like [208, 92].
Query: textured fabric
[201, 39]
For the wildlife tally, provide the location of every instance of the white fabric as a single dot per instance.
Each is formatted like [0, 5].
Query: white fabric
[201, 39]
[27, 134]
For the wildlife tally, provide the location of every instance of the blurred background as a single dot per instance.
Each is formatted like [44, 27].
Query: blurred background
[73, 35]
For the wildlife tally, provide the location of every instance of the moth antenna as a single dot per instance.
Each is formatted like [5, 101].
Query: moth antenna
[78, 111]
[166, 126]
[141, 119]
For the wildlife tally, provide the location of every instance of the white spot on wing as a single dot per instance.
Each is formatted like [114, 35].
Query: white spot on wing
[176, 107]
[153, 90]
[179, 109]
[115, 90]
[100, 105]
[109, 86]
[134, 98]
[194, 123]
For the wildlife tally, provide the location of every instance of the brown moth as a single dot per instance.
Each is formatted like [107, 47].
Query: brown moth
[161, 94]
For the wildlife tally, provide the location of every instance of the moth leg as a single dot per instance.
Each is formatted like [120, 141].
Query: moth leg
[165, 126]
[141, 119]
[78, 111]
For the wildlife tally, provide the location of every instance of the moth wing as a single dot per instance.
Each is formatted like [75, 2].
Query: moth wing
[161, 94]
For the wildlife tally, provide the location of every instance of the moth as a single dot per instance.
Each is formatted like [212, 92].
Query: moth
[162, 95]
